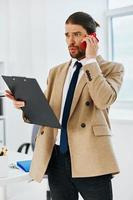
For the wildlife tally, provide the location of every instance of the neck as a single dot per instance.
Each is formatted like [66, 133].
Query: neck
[80, 58]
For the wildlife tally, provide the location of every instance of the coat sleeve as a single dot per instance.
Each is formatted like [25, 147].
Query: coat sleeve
[104, 89]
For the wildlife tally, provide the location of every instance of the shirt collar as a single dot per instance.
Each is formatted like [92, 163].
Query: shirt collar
[82, 61]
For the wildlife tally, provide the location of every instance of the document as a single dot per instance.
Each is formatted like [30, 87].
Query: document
[37, 109]
[24, 165]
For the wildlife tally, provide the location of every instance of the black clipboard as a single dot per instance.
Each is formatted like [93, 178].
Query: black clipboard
[37, 109]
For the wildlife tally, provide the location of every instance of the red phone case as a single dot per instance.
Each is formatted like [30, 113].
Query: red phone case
[83, 44]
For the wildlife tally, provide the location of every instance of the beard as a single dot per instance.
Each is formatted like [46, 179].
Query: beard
[78, 53]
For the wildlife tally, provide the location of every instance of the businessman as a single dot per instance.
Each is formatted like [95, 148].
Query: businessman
[79, 158]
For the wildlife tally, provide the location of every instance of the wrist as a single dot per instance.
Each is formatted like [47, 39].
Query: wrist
[89, 61]
[90, 57]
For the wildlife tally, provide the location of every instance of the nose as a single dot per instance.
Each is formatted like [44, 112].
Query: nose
[71, 40]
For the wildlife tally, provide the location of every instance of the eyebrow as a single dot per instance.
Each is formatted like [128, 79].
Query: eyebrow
[72, 32]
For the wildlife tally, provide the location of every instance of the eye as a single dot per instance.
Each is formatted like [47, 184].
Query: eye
[66, 35]
[77, 34]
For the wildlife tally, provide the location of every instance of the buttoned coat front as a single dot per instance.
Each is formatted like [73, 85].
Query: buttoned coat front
[89, 131]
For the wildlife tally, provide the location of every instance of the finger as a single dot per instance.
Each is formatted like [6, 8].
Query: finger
[96, 44]
[9, 92]
[89, 40]
[19, 104]
[94, 41]
[10, 96]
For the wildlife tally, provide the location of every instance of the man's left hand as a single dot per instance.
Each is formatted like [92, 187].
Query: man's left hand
[91, 47]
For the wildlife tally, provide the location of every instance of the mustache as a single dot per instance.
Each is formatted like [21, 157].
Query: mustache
[70, 46]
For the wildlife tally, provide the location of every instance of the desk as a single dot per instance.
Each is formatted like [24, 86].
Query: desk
[14, 175]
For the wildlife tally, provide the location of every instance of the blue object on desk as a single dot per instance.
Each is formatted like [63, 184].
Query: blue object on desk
[24, 164]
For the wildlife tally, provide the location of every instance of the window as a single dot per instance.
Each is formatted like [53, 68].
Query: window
[120, 49]
[121, 46]
[119, 3]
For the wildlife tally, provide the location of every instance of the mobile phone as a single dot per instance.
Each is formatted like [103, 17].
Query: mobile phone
[83, 44]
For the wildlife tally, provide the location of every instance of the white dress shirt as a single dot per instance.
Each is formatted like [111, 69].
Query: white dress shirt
[67, 83]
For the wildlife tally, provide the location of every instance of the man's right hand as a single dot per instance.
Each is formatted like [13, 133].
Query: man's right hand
[17, 104]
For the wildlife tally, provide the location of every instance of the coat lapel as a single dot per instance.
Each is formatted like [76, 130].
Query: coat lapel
[80, 87]
[77, 93]
[59, 88]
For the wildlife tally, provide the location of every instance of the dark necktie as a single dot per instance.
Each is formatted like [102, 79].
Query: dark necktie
[67, 107]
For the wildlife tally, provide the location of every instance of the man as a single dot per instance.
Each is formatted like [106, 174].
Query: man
[79, 157]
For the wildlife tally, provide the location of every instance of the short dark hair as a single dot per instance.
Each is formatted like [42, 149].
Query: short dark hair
[83, 19]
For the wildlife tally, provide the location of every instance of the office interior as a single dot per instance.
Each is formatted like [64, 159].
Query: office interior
[32, 41]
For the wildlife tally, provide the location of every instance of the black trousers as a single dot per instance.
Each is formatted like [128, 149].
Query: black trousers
[64, 187]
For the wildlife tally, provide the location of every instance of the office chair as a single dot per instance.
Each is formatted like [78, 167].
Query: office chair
[26, 146]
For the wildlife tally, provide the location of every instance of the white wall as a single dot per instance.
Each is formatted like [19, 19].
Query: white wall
[16, 53]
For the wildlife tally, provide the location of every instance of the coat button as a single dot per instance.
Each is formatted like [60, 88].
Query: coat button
[83, 125]
[89, 75]
[42, 132]
[87, 103]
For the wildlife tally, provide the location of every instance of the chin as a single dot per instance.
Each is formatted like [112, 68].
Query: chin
[77, 56]
[73, 56]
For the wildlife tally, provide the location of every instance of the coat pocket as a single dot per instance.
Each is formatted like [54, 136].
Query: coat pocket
[101, 130]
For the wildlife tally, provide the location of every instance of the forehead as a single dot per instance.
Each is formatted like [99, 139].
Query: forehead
[71, 28]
